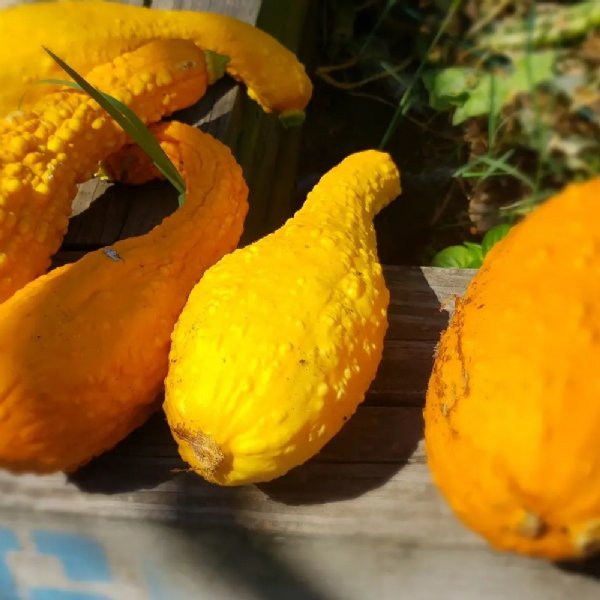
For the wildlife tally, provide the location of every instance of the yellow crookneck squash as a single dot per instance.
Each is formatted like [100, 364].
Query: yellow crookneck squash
[279, 341]
[84, 348]
[86, 34]
[59, 141]
[512, 418]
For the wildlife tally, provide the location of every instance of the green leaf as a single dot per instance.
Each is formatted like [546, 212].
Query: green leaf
[216, 65]
[406, 100]
[449, 88]
[475, 251]
[129, 121]
[467, 256]
[493, 236]
[473, 93]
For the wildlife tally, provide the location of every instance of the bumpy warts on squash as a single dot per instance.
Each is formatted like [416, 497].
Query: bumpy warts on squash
[58, 143]
[280, 340]
[512, 419]
[84, 348]
[89, 33]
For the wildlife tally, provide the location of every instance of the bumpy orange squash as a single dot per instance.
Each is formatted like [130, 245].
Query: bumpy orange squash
[57, 143]
[513, 406]
[84, 349]
[280, 340]
[89, 33]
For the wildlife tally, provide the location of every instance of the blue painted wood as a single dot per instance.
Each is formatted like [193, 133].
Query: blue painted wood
[82, 558]
[8, 543]
[56, 594]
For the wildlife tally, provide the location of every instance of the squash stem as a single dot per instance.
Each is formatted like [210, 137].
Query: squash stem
[216, 64]
[292, 118]
[207, 453]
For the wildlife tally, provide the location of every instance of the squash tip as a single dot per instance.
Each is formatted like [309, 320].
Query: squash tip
[586, 538]
[531, 525]
[216, 65]
[207, 455]
[292, 118]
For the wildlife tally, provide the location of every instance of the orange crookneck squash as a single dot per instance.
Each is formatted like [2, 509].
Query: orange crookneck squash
[86, 34]
[512, 418]
[84, 348]
[59, 141]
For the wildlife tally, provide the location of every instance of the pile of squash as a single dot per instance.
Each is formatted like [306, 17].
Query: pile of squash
[264, 352]
[84, 349]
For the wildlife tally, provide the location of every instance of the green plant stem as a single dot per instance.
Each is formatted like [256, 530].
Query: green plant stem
[129, 122]
[404, 103]
[382, 16]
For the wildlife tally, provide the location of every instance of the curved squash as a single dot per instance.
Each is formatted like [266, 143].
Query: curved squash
[89, 33]
[59, 142]
[84, 349]
[512, 419]
[279, 341]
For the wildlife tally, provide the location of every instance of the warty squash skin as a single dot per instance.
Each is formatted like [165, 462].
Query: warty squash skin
[279, 341]
[94, 32]
[59, 141]
[84, 349]
[512, 418]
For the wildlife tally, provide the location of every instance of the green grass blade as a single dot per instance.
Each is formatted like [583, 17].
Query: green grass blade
[128, 120]
[142, 135]
[495, 167]
[405, 101]
[468, 169]
[509, 170]
[384, 13]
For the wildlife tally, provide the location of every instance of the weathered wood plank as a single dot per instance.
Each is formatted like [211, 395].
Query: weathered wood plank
[319, 498]
[177, 561]
[421, 300]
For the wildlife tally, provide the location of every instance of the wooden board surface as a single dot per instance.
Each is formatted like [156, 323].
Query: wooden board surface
[360, 520]
[376, 459]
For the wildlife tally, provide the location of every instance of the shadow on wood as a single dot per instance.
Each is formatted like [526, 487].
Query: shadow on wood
[250, 562]
[120, 212]
[375, 443]
[143, 460]
[588, 568]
